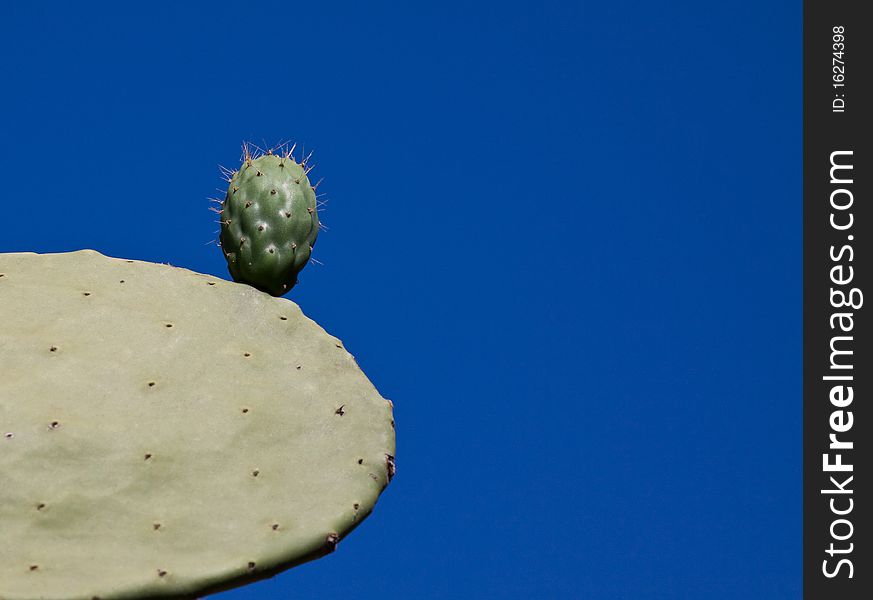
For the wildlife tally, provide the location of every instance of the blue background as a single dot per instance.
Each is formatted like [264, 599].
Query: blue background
[564, 238]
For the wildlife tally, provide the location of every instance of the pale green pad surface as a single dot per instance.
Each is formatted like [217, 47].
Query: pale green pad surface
[167, 434]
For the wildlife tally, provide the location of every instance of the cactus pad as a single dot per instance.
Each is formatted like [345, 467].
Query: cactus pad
[167, 434]
[269, 222]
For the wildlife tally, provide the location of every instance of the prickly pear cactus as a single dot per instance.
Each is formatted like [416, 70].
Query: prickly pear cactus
[166, 434]
[269, 222]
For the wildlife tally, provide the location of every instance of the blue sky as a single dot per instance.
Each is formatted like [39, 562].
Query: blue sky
[564, 238]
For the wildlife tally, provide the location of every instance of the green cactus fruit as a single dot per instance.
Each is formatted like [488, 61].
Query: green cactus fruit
[167, 434]
[269, 222]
